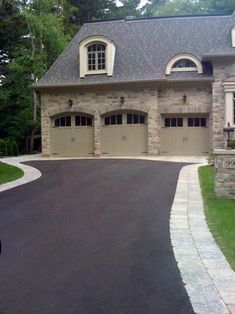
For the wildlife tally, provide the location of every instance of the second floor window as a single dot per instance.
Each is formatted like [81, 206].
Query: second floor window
[96, 57]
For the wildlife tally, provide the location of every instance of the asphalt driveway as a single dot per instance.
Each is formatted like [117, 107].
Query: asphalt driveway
[91, 237]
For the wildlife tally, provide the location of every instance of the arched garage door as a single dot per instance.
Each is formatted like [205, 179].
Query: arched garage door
[124, 134]
[185, 135]
[72, 135]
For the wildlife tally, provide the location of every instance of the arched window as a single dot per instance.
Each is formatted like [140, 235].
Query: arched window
[96, 56]
[184, 63]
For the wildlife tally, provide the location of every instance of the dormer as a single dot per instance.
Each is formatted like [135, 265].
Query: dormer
[184, 63]
[233, 36]
[96, 56]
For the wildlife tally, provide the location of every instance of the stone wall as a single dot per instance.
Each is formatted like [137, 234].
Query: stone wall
[225, 173]
[221, 71]
[98, 102]
[199, 100]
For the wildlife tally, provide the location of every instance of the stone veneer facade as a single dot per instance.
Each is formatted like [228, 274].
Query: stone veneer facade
[225, 173]
[202, 98]
[152, 101]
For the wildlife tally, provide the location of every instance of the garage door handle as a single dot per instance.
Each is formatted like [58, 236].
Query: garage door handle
[124, 138]
[73, 139]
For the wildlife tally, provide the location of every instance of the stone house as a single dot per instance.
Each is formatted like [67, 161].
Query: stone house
[162, 85]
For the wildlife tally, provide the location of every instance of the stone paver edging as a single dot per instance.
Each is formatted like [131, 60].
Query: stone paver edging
[30, 174]
[208, 278]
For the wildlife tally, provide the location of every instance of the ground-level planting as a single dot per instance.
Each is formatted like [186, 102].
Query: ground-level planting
[220, 214]
[9, 173]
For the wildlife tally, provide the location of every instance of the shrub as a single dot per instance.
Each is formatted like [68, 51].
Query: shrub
[3, 148]
[232, 144]
[15, 148]
[9, 147]
[211, 160]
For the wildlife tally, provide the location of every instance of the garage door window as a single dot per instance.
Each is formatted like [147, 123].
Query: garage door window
[63, 121]
[83, 121]
[197, 122]
[135, 118]
[114, 119]
[173, 122]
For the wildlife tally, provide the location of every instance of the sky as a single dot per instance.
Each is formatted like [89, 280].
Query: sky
[142, 3]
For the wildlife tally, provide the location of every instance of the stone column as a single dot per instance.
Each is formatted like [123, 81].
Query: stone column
[225, 172]
[46, 131]
[154, 126]
[97, 130]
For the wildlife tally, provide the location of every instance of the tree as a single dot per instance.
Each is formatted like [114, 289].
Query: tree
[42, 40]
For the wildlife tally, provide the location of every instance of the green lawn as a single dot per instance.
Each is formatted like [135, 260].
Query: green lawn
[220, 215]
[9, 173]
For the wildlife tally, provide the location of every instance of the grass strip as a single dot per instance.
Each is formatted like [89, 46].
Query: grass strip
[9, 173]
[220, 215]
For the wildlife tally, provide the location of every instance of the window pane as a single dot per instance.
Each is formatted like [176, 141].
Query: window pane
[203, 122]
[57, 122]
[136, 118]
[190, 122]
[167, 122]
[142, 119]
[89, 121]
[68, 121]
[83, 120]
[113, 119]
[62, 121]
[77, 121]
[197, 122]
[119, 119]
[107, 121]
[173, 122]
[179, 122]
[129, 118]
[184, 63]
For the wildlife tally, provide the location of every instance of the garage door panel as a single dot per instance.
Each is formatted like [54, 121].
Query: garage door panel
[185, 139]
[72, 140]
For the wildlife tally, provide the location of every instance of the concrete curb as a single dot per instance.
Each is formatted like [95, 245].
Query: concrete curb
[30, 174]
[208, 278]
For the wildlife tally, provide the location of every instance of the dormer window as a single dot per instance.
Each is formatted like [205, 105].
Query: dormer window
[184, 63]
[96, 56]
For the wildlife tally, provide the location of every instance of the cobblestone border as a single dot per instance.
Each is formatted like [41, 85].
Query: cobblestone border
[30, 174]
[208, 278]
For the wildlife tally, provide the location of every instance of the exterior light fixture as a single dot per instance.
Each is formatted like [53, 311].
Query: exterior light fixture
[70, 103]
[184, 98]
[228, 134]
[122, 100]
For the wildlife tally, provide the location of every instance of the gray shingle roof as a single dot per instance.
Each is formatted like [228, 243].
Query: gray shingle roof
[144, 47]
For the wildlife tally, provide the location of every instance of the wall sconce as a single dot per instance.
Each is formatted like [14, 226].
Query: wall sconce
[228, 134]
[70, 103]
[184, 98]
[122, 100]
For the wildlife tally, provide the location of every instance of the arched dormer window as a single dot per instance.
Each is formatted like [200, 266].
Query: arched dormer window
[96, 56]
[184, 63]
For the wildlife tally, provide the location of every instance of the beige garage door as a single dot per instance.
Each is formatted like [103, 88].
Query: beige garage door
[185, 135]
[72, 136]
[124, 134]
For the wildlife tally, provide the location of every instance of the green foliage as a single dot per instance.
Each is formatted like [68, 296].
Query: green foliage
[232, 144]
[3, 148]
[220, 214]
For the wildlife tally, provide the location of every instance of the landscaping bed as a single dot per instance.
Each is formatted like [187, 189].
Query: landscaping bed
[220, 214]
[9, 173]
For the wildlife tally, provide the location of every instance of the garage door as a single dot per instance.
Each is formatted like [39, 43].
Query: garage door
[124, 134]
[182, 135]
[72, 135]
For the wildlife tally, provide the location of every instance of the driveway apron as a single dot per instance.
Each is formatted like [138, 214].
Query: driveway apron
[91, 237]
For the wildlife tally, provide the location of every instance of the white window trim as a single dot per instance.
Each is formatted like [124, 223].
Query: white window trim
[109, 56]
[229, 88]
[198, 68]
[233, 36]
